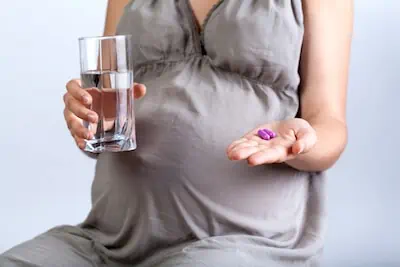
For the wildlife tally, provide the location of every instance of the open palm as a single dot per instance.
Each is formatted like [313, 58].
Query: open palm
[294, 136]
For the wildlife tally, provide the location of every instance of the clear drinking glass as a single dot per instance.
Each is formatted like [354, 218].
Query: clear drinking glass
[107, 74]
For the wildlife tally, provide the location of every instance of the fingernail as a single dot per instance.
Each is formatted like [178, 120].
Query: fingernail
[300, 150]
[81, 145]
[85, 99]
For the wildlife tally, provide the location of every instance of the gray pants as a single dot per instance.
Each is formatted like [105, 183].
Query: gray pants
[62, 248]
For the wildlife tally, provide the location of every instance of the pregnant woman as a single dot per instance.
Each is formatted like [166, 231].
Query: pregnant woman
[202, 188]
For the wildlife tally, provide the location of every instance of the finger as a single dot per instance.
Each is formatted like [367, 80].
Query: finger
[139, 90]
[247, 141]
[306, 138]
[235, 143]
[276, 154]
[79, 110]
[68, 116]
[80, 142]
[243, 153]
[75, 126]
[242, 145]
[234, 152]
[249, 138]
[79, 130]
[75, 90]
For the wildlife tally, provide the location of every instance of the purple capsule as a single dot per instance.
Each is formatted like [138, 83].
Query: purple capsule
[264, 135]
[270, 133]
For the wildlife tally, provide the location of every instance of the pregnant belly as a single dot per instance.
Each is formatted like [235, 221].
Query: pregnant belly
[179, 180]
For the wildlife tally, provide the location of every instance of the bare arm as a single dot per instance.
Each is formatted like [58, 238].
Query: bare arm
[115, 9]
[324, 72]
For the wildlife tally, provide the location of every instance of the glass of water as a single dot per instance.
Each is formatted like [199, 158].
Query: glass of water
[107, 74]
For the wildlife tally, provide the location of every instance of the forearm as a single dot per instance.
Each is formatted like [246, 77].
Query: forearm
[324, 76]
[114, 12]
[332, 140]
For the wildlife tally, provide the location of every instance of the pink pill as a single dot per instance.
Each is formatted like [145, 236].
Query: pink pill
[263, 135]
[270, 133]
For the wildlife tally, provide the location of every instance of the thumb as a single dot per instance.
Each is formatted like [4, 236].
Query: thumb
[139, 90]
[306, 139]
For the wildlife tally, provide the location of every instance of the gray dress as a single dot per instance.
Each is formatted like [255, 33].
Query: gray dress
[177, 200]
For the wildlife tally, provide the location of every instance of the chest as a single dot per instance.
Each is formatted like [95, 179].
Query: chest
[201, 9]
[258, 39]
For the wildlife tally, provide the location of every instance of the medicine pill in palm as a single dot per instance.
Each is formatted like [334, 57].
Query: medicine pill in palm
[270, 133]
[263, 135]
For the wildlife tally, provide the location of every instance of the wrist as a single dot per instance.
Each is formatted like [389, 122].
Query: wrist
[331, 142]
